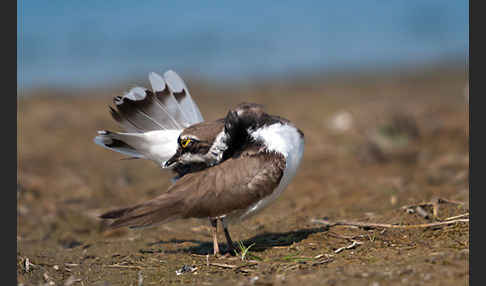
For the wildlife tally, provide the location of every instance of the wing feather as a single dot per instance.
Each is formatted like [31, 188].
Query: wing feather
[181, 93]
[233, 185]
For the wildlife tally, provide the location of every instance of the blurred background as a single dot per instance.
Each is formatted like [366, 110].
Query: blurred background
[379, 88]
[93, 43]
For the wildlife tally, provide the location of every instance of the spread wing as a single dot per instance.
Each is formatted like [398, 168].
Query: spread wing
[233, 185]
[152, 119]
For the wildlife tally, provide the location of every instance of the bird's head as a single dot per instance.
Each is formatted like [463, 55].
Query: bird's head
[209, 143]
[197, 146]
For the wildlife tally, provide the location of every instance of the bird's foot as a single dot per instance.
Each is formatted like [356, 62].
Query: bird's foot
[227, 254]
[231, 251]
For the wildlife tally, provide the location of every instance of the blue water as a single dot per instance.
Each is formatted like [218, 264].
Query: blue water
[92, 42]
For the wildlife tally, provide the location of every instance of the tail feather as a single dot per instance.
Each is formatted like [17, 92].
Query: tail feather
[107, 139]
[140, 109]
[180, 91]
[152, 120]
[158, 146]
[128, 125]
[166, 98]
[168, 106]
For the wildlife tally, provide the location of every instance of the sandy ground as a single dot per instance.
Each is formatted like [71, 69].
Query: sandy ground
[374, 145]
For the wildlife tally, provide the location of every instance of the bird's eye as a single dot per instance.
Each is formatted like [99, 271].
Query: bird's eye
[185, 143]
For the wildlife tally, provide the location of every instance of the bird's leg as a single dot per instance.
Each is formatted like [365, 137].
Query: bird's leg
[214, 231]
[228, 237]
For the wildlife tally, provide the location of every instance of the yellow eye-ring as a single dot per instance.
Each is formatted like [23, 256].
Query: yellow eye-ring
[185, 142]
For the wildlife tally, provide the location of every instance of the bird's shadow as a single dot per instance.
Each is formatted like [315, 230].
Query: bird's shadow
[260, 242]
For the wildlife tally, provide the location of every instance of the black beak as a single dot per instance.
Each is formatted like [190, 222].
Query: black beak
[172, 159]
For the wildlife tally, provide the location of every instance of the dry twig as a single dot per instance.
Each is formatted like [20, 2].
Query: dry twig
[240, 268]
[223, 265]
[411, 209]
[457, 216]
[352, 245]
[322, 261]
[124, 266]
[386, 225]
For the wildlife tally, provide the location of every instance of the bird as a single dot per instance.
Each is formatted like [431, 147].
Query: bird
[228, 169]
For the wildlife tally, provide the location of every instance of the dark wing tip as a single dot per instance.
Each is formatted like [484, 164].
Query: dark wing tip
[179, 96]
[115, 213]
[115, 114]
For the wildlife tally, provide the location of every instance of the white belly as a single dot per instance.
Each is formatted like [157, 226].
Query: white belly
[285, 139]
